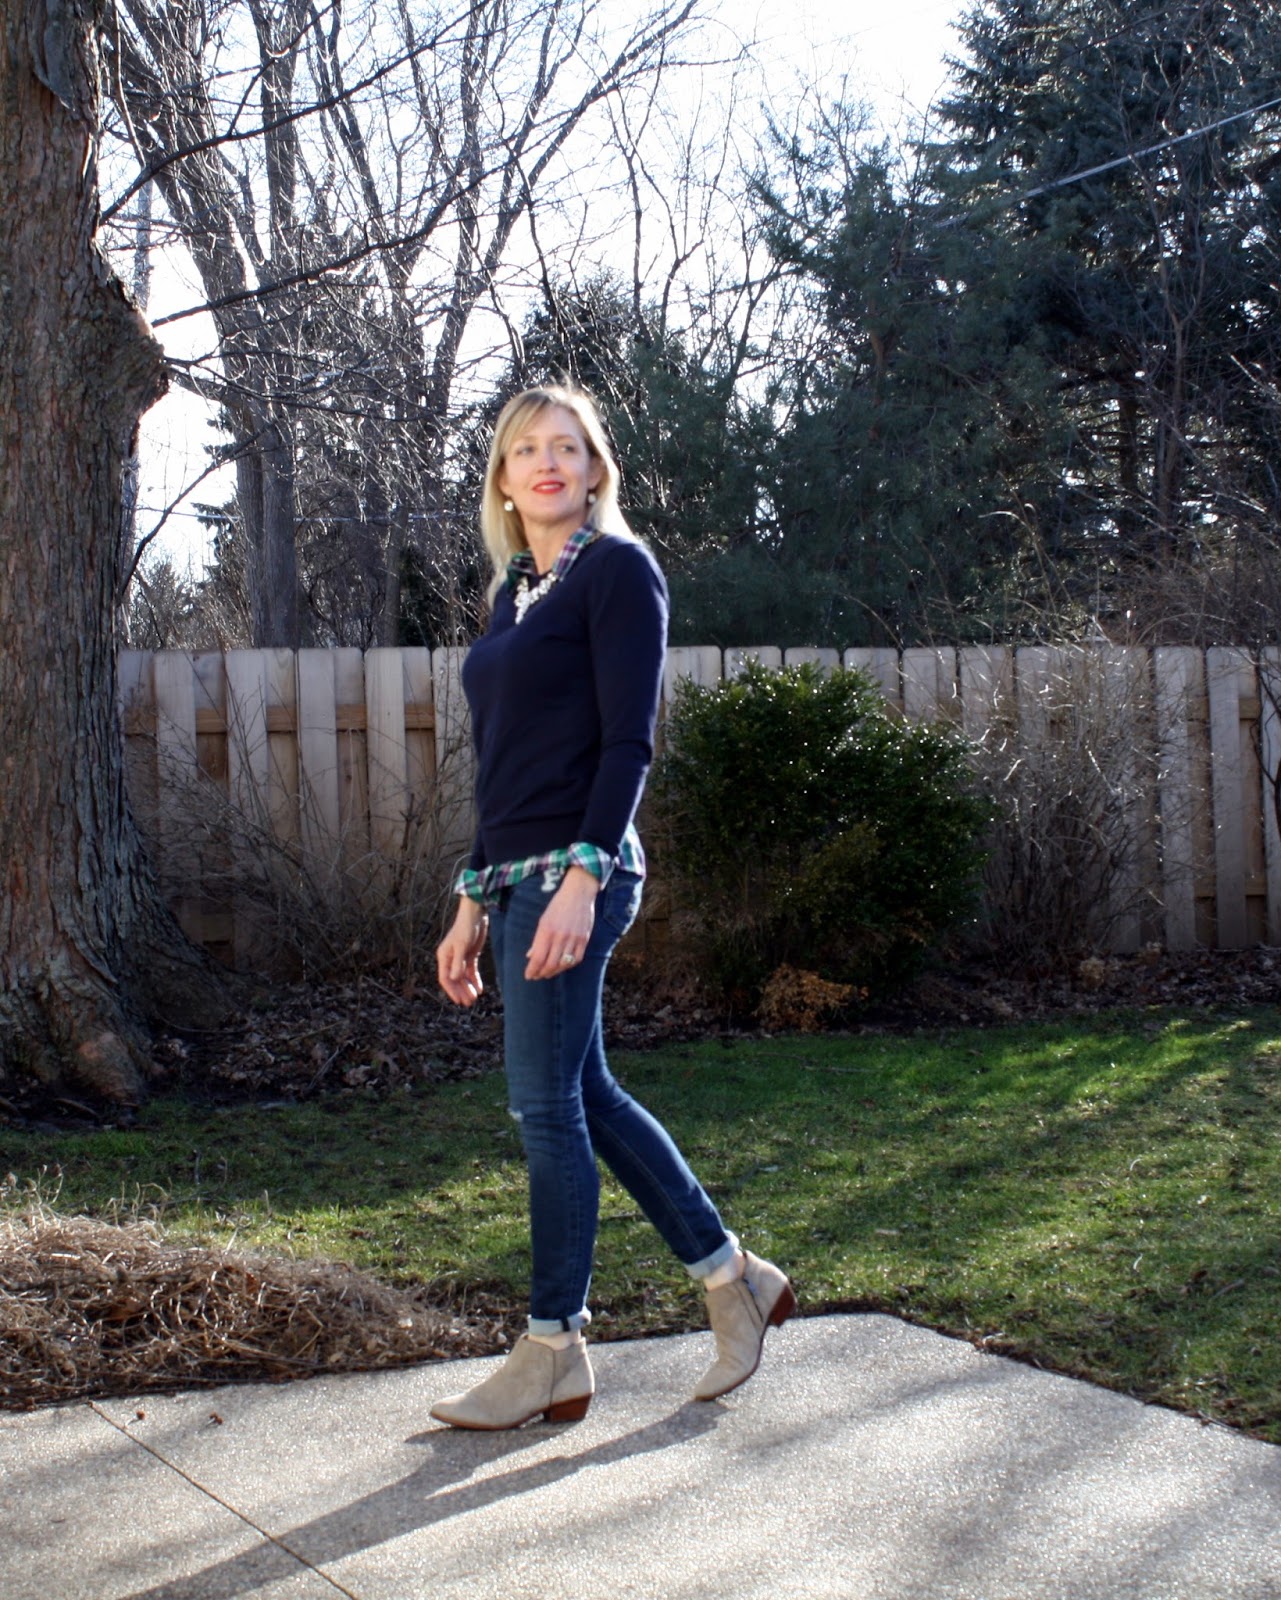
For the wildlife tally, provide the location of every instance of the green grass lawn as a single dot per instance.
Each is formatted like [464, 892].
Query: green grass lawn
[1103, 1197]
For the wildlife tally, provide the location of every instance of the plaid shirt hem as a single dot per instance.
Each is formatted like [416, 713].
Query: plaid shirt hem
[486, 884]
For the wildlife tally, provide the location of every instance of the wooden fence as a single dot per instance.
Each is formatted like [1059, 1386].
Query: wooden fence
[333, 768]
[357, 765]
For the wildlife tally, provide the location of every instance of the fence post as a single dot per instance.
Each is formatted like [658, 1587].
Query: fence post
[455, 761]
[174, 692]
[420, 738]
[248, 782]
[700, 663]
[320, 812]
[736, 656]
[1125, 701]
[986, 678]
[929, 685]
[1270, 777]
[829, 660]
[881, 664]
[386, 755]
[1229, 681]
[1179, 686]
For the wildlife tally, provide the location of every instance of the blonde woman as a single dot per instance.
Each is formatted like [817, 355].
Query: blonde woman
[563, 691]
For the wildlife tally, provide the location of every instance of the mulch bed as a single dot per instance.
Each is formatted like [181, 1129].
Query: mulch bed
[369, 1035]
[1201, 980]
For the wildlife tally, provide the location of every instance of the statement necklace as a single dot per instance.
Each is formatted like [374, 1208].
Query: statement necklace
[527, 595]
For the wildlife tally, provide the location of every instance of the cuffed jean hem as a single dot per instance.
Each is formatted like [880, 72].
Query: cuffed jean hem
[718, 1258]
[548, 1325]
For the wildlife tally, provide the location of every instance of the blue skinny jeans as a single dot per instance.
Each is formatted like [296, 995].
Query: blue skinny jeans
[570, 1109]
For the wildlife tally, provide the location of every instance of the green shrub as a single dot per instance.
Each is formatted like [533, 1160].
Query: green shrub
[800, 822]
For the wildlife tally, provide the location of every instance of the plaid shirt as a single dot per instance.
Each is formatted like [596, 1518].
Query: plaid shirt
[486, 884]
[523, 565]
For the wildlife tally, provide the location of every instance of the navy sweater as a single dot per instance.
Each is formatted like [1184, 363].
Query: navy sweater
[563, 706]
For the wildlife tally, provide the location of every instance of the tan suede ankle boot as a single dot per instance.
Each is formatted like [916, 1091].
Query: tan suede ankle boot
[534, 1379]
[740, 1314]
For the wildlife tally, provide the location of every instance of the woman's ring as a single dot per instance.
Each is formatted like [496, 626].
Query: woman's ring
[567, 960]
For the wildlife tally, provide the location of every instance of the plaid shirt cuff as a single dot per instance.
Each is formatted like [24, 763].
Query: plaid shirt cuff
[471, 884]
[592, 859]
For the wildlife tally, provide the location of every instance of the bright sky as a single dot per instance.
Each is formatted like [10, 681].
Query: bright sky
[888, 54]
[890, 50]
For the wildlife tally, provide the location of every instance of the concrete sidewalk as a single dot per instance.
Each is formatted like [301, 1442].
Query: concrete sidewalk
[865, 1459]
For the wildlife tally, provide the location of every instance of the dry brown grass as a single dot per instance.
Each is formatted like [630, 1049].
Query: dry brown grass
[94, 1308]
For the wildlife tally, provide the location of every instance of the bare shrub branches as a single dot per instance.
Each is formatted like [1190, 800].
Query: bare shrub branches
[351, 185]
[1062, 756]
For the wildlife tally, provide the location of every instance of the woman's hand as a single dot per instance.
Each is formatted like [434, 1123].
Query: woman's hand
[458, 952]
[564, 927]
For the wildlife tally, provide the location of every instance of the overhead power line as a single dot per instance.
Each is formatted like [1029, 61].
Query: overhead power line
[1138, 155]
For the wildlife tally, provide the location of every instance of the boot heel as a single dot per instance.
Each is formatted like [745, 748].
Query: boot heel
[784, 1307]
[568, 1410]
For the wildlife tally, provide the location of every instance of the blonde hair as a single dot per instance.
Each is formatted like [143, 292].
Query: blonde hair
[501, 529]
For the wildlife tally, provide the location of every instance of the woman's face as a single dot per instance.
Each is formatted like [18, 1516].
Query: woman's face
[547, 472]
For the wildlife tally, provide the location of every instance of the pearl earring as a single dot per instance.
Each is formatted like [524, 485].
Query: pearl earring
[591, 497]
[509, 505]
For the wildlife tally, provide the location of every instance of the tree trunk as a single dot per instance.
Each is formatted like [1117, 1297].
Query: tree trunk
[266, 494]
[88, 955]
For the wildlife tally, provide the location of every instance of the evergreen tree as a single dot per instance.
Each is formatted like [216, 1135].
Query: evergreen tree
[923, 439]
[1037, 385]
[1156, 276]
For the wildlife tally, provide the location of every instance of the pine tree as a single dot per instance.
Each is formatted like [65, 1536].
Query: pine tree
[1156, 276]
[1048, 374]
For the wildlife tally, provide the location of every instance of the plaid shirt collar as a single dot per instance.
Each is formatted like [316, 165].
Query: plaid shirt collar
[522, 564]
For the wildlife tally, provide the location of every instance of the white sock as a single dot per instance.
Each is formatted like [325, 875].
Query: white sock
[557, 1341]
[729, 1272]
